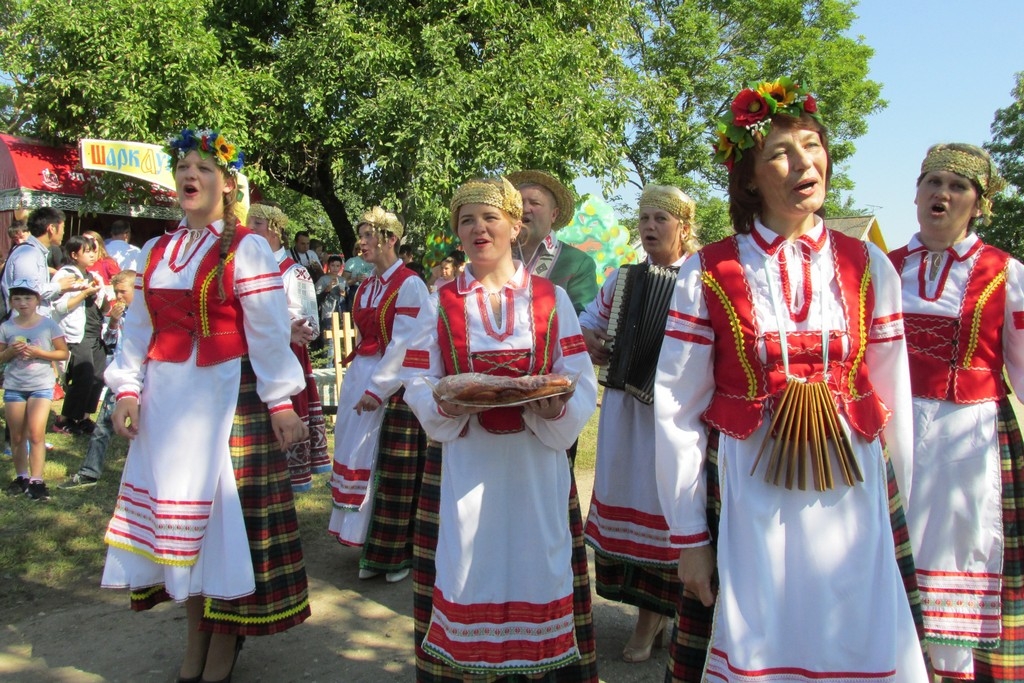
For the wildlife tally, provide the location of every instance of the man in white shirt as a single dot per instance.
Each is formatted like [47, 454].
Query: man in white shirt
[28, 260]
[119, 247]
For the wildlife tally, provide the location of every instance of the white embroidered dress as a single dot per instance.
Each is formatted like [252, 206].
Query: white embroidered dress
[504, 587]
[625, 518]
[955, 519]
[357, 437]
[178, 520]
[809, 585]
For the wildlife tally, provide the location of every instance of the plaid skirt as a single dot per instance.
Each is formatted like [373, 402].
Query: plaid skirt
[1006, 662]
[281, 598]
[396, 489]
[691, 636]
[644, 586]
[432, 670]
[308, 457]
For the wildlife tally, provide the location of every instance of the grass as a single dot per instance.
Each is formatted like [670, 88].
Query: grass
[54, 548]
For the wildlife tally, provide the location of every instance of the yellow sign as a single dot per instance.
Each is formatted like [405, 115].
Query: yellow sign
[136, 159]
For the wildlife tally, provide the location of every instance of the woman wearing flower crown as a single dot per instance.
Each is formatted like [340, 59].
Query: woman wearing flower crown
[782, 373]
[204, 379]
[634, 558]
[963, 303]
[379, 446]
[502, 600]
[310, 456]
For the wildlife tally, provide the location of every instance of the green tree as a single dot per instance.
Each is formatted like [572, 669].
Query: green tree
[690, 56]
[1007, 150]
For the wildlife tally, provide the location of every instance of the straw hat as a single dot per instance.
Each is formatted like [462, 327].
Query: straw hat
[564, 198]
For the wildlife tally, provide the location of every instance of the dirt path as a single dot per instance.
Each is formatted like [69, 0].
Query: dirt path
[360, 632]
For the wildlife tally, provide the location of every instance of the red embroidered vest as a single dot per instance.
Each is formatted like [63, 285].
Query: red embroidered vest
[377, 323]
[183, 319]
[743, 384]
[961, 359]
[453, 338]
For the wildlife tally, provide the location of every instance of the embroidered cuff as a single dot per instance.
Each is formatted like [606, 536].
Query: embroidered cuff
[374, 396]
[128, 394]
[442, 413]
[285, 404]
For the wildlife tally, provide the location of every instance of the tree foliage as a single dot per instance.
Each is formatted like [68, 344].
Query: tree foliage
[359, 102]
[1007, 150]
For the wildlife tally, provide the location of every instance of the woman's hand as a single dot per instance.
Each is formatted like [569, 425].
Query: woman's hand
[302, 333]
[595, 340]
[548, 408]
[367, 403]
[126, 417]
[696, 566]
[288, 428]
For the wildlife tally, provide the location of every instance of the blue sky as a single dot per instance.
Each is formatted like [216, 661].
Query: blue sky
[945, 67]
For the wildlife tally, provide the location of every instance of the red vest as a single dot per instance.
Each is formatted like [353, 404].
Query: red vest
[743, 384]
[183, 319]
[453, 338]
[961, 359]
[377, 323]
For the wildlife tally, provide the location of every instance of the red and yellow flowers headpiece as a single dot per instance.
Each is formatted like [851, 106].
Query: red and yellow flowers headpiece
[751, 111]
[209, 143]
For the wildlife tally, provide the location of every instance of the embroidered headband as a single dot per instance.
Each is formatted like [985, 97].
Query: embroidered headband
[564, 198]
[275, 217]
[669, 198]
[500, 194]
[382, 221]
[209, 143]
[972, 163]
[751, 112]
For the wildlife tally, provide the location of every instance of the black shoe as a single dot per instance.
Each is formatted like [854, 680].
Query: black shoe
[17, 487]
[37, 491]
[84, 426]
[79, 481]
[227, 679]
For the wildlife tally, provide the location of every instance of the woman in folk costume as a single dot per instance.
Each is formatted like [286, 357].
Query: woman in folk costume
[503, 597]
[310, 456]
[783, 371]
[204, 379]
[963, 305]
[379, 446]
[635, 560]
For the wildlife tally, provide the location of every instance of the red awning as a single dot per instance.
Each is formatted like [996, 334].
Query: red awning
[31, 165]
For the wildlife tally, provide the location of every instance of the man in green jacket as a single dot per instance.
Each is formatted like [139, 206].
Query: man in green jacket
[548, 205]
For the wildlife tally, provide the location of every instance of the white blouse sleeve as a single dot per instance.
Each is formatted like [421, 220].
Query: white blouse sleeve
[571, 358]
[888, 367]
[1013, 326]
[266, 322]
[422, 367]
[124, 374]
[684, 385]
[386, 378]
[597, 314]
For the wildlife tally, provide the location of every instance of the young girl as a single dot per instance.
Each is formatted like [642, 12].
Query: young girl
[29, 342]
[79, 316]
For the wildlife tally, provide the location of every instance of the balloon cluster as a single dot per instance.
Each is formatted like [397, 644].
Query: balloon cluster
[595, 230]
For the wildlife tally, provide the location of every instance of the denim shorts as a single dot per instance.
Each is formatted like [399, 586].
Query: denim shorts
[20, 396]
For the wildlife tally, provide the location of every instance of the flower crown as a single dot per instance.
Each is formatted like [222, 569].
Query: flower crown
[209, 143]
[751, 111]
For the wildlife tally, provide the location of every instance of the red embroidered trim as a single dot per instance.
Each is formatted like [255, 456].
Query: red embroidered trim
[687, 337]
[281, 408]
[922, 269]
[171, 263]
[573, 345]
[374, 396]
[410, 311]
[415, 358]
[1018, 320]
[508, 316]
[128, 394]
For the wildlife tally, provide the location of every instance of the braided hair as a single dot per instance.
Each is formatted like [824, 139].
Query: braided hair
[227, 236]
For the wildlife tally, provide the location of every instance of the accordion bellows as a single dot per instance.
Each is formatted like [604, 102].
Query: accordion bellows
[636, 326]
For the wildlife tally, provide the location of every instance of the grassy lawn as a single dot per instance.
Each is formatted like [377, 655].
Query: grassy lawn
[59, 544]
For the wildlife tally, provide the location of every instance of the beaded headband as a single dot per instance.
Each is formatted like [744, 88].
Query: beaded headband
[974, 167]
[209, 143]
[751, 112]
[274, 216]
[668, 198]
[504, 196]
[382, 221]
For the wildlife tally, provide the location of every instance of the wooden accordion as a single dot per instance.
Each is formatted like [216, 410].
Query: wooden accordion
[637, 327]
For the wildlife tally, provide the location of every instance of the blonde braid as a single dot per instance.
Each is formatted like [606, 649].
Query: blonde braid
[226, 237]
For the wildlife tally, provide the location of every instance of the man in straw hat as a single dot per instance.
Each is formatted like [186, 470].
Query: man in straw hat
[548, 206]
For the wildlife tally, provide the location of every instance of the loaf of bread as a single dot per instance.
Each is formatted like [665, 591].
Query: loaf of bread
[474, 388]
